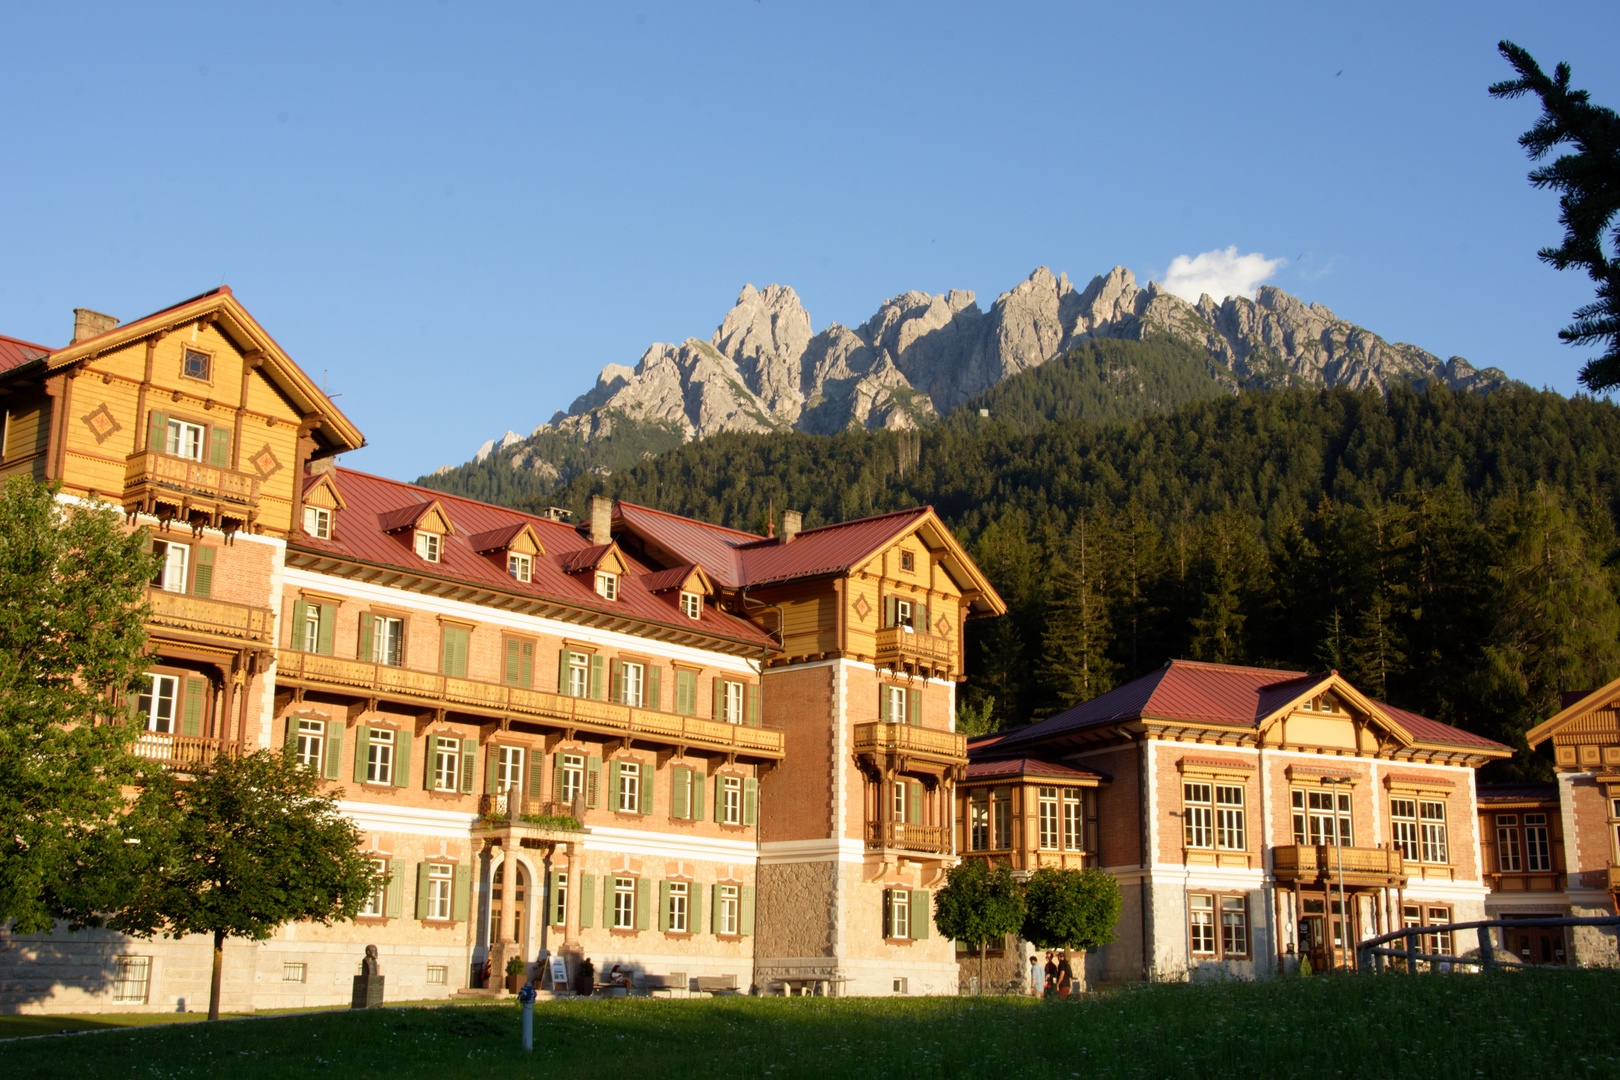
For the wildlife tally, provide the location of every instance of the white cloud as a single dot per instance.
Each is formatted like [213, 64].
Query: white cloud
[1219, 273]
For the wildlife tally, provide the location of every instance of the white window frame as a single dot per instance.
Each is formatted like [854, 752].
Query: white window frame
[573, 777]
[624, 903]
[380, 756]
[1312, 822]
[311, 746]
[185, 440]
[520, 566]
[318, 522]
[1508, 859]
[429, 546]
[729, 909]
[446, 777]
[731, 793]
[898, 706]
[1201, 924]
[387, 640]
[1432, 831]
[1403, 827]
[1235, 924]
[1047, 803]
[607, 585]
[735, 697]
[902, 615]
[579, 674]
[375, 905]
[979, 820]
[1001, 819]
[1073, 821]
[132, 979]
[1537, 843]
[632, 682]
[897, 801]
[160, 690]
[312, 628]
[628, 798]
[1614, 831]
[1198, 814]
[441, 883]
[679, 906]
[1231, 832]
[899, 901]
[691, 605]
[175, 559]
[509, 768]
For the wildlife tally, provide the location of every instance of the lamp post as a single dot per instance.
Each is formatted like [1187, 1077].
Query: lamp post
[1338, 850]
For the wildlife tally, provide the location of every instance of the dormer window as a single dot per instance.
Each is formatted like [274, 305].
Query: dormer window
[692, 605]
[520, 566]
[318, 522]
[427, 545]
[607, 585]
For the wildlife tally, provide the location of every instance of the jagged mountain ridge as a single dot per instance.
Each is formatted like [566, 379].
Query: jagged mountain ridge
[919, 356]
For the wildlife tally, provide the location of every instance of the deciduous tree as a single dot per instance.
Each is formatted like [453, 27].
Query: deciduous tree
[1070, 909]
[979, 905]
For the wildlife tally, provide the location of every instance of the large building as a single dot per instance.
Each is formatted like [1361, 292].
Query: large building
[643, 739]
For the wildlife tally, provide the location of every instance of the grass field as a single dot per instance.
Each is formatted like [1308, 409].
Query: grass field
[1520, 1026]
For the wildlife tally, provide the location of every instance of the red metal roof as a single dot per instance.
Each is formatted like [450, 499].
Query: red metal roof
[672, 578]
[1217, 694]
[1517, 792]
[829, 549]
[983, 770]
[496, 539]
[358, 533]
[587, 558]
[15, 352]
[713, 547]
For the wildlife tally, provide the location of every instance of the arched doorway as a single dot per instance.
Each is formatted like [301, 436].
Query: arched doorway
[516, 912]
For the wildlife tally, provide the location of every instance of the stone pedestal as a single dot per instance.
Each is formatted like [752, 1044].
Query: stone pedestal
[368, 992]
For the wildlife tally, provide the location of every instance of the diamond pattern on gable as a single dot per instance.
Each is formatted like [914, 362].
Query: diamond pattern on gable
[943, 625]
[101, 423]
[862, 608]
[264, 462]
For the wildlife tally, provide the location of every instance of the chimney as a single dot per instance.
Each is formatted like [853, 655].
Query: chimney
[87, 324]
[601, 519]
[791, 521]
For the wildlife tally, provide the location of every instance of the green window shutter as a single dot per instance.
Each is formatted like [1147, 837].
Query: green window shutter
[362, 751]
[562, 671]
[888, 930]
[461, 899]
[492, 766]
[514, 662]
[694, 909]
[219, 449]
[686, 693]
[421, 890]
[714, 908]
[915, 717]
[429, 755]
[889, 611]
[613, 785]
[654, 689]
[883, 703]
[717, 698]
[921, 905]
[367, 620]
[593, 781]
[745, 920]
[680, 792]
[196, 696]
[698, 781]
[643, 902]
[323, 644]
[750, 805]
[289, 739]
[469, 760]
[526, 674]
[663, 906]
[300, 613]
[202, 577]
[596, 678]
[453, 652]
[649, 783]
[402, 757]
[557, 777]
[587, 900]
[394, 892]
[553, 916]
[157, 432]
[333, 750]
[914, 806]
[753, 705]
[615, 681]
[719, 798]
[609, 889]
[537, 774]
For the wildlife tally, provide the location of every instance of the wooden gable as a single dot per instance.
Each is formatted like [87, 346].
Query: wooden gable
[521, 539]
[324, 493]
[1586, 734]
[697, 582]
[1356, 723]
[434, 519]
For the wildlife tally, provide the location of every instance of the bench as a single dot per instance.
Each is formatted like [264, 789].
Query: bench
[716, 984]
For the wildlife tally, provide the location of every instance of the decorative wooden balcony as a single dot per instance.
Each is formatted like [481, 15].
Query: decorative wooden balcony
[1321, 864]
[178, 487]
[511, 817]
[904, 649]
[919, 742]
[358, 679]
[216, 618]
[179, 753]
[934, 839]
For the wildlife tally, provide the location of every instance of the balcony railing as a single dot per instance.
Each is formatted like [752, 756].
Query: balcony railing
[180, 753]
[495, 699]
[899, 645]
[898, 834]
[217, 617]
[1323, 862]
[882, 738]
[163, 477]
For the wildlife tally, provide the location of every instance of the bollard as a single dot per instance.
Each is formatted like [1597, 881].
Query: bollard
[526, 997]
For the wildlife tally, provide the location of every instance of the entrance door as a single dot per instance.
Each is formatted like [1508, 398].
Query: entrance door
[1536, 945]
[515, 911]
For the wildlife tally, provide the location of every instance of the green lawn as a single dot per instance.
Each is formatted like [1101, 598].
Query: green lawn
[1521, 1026]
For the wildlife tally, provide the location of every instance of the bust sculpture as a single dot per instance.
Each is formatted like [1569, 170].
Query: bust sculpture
[369, 966]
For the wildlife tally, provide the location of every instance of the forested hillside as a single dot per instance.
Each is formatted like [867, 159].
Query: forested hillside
[1450, 553]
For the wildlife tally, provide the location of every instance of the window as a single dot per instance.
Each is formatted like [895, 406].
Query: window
[678, 906]
[387, 640]
[1001, 817]
[1071, 820]
[1202, 923]
[691, 605]
[607, 585]
[1432, 819]
[1049, 818]
[579, 675]
[1197, 820]
[897, 803]
[728, 909]
[509, 768]
[1537, 845]
[1507, 841]
[184, 440]
[427, 546]
[1438, 944]
[1229, 830]
[1315, 813]
[896, 698]
[1234, 926]
[900, 986]
[520, 566]
[197, 365]
[1614, 827]
[291, 972]
[438, 975]
[1233, 941]
[630, 787]
[441, 880]
[731, 792]
[171, 574]
[1404, 829]
[733, 711]
[375, 903]
[624, 903]
[380, 758]
[631, 678]
[902, 613]
[156, 703]
[573, 777]
[979, 821]
[311, 628]
[131, 977]
[318, 522]
[908, 560]
[1322, 703]
[559, 898]
[446, 763]
[311, 741]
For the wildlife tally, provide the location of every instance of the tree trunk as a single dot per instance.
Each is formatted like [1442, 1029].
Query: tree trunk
[219, 972]
[981, 967]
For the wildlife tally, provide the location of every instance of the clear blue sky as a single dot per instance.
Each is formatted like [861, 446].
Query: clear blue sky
[459, 212]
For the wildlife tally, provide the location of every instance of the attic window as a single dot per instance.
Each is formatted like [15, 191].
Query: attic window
[197, 365]
[908, 561]
[318, 522]
[691, 605]
[520, 566]
[427, 546]
[1322, 703]
[607, 585]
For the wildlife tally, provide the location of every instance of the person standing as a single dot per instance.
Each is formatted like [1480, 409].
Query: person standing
[1065, 975]
[1051, 971]
[1034, 974]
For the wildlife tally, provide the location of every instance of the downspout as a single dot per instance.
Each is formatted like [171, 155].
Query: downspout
[1142, 853]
